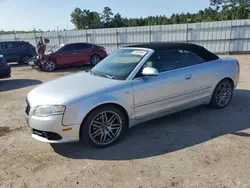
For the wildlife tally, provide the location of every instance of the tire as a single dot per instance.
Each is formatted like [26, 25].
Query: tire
[222, 94]
[49, 66]
[95, 59]
[101, 135]
[24, 59]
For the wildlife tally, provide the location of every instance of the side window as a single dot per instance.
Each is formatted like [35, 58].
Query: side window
[84, 46]
[167, 60]
[69, 48]
[3, 46]
[193, 59]
[17, 44]
[9, 45]
[6, 46]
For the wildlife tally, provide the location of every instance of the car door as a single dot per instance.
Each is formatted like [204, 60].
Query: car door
[12, 52]
[18, 50]
[84, 53]
[171, 89]
[204, 76]
[67, 55]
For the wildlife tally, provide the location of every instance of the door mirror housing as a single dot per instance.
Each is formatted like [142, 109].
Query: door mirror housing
[150, 71]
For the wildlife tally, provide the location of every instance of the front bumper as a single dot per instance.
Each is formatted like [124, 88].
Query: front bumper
[50, 129]
[5, 72]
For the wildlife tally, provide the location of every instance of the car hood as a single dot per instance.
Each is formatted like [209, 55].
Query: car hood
[59, 90]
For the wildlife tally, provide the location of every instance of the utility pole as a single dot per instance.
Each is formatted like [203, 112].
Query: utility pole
[58, 35]
[230, 37]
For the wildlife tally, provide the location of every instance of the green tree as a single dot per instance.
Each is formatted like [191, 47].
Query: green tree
[118, 21]
[83, 19]
[94, 20]
[107, 17]
[199, 16]
[217, 11]
[216, 4]
[76, 18]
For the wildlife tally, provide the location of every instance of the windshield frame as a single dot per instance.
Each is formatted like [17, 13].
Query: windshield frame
[133, 73]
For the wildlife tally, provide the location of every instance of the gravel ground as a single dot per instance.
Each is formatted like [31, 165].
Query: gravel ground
[196, 148]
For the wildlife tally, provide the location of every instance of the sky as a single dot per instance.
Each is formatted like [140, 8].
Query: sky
[50, 14]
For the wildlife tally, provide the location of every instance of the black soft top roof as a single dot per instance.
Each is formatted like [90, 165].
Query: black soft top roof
[197, 49]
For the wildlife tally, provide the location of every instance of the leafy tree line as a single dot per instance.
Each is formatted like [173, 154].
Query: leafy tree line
[219, 10]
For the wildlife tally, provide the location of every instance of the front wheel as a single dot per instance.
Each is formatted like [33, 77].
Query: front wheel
[104, 126]
[49, 66]
[222, 94]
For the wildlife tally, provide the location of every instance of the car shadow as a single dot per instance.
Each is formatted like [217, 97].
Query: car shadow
[15, 65]
[171, 133]
[7, 85]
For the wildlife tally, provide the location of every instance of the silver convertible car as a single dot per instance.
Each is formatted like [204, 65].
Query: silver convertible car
[132, 85]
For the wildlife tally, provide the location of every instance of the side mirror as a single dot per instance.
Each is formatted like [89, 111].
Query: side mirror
[150, 71]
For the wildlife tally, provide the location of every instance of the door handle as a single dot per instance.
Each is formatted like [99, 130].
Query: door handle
[188, 77]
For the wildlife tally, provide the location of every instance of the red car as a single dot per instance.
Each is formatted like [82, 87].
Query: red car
[66, 55]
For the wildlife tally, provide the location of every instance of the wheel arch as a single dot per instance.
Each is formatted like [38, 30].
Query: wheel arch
[101, 105]
[95, 53]
[227, 78]
[24, 54]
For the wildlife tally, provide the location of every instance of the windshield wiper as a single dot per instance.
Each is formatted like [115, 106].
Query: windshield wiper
[102, 74]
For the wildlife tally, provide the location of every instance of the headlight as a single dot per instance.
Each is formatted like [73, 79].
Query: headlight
[49, 110]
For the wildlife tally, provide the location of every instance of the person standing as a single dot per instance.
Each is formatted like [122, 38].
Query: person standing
[41, 47]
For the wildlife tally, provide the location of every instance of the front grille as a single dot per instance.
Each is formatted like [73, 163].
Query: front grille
[48, 135]
[27, 110]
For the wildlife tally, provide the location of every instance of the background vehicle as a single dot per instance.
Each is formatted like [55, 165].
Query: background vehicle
[132, 85]
[5, 71]
[17, 51]
[66, 55]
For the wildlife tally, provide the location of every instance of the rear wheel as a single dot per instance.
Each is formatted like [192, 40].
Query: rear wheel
[222, 94]
[24, 59]
[49, 66]
[95, 59]
[104, 126]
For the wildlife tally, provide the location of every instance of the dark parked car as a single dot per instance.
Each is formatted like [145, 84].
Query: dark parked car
[17, 51]
[5, 71]
[66, 55]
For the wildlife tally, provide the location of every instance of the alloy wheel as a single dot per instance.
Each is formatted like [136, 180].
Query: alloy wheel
[95, 59]
[105, 128]
[49, 66]
[25, 59]
[223, 94]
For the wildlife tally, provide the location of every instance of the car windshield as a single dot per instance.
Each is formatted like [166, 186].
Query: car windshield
[119, 64]
[53, 48]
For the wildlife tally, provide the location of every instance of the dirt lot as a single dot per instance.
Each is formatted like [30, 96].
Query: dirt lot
[196, 148]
